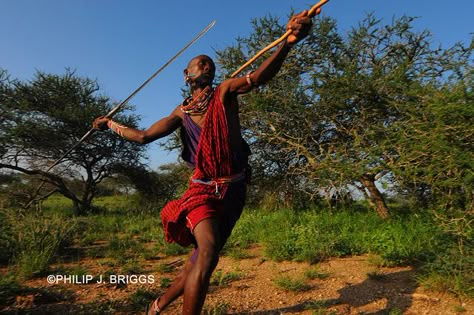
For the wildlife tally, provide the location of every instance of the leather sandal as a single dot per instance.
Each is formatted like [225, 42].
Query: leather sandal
[153, 305]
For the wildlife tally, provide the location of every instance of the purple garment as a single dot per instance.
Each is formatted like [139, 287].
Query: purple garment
[190, 134]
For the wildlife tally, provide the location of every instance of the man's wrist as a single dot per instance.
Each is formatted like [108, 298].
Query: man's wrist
[116, 127]
[288, 45]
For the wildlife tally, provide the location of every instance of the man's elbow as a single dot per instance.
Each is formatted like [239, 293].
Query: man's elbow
[147, 138]
[140, 139]
[143, 139]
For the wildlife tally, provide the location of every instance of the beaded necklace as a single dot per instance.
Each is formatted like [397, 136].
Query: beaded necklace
[199, 104]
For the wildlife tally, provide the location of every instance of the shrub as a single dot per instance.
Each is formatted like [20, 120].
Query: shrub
[37, 239]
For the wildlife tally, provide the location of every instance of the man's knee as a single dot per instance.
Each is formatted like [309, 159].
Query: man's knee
[207, 259]
[208, 242]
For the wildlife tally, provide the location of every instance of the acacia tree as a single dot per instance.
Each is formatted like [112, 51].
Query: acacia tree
[436, 136]
[327, 114]
[45, 117]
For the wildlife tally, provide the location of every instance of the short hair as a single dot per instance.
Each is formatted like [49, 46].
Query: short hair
[206, 57]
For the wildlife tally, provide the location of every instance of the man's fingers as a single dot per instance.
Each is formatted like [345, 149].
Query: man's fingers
[302, 13]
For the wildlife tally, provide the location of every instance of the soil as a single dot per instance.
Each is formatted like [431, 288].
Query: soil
[352, 285]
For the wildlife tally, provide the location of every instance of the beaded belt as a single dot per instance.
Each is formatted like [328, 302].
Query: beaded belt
[221, 180]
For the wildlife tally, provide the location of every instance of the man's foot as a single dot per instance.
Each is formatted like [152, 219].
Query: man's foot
[153, 308]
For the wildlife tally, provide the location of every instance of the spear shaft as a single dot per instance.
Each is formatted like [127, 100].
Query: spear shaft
[124, 102]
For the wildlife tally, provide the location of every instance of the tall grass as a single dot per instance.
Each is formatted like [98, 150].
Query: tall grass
[122, 229]
[313, 236]
[35, 240]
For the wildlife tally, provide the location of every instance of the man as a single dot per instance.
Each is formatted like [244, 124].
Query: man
[213, 146]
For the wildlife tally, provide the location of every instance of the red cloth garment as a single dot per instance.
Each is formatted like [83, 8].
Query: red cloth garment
[213, 160]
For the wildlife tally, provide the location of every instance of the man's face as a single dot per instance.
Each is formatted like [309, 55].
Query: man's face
[200, 71]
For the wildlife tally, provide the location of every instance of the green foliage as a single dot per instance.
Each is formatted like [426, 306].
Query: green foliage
[314, 273]
[9, 288]
[399, 242]
[459, 309]
[46, 117]
[310, 236]
[172, 249]
[8, 241]
[451, 271]
[36, 240]
[165, 282]
[436, 152]
[289, 284]
[141, 297]
[218, 309]
[58, 205]
[165, 268]
[221, 278]
[405, 240]
[285, 235]
[377, 103]
[314, 236]
[395, 311]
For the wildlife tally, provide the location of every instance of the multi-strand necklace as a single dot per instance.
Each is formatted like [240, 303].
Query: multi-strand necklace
[199, 104]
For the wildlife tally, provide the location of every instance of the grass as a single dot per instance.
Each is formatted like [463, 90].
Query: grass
[124, 236]
[165, 282]
[451, 272]
[319, 308]
[165, 268]
[36, 240]
[395, 311]
[141, 297]
[220, 309]
[221, 278]
[314, 236]
[314, 273]
[459, 309]
[10, 289]
[291, 284]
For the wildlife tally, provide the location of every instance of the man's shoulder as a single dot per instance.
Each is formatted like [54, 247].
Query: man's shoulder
[224, 91]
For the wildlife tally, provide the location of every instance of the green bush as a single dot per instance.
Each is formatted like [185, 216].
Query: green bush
[407, 241]
[7, 239]
[35, 239]
[316, 235]
[451, 271]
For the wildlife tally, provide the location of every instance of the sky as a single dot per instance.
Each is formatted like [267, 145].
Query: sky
[122, 43]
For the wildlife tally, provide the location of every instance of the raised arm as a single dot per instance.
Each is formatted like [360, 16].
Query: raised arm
[300, 26]
[159, 129]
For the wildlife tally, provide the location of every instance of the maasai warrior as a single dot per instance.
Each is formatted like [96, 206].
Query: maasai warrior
[214, 147]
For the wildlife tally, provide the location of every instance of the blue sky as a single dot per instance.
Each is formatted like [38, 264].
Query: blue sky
[121, 43]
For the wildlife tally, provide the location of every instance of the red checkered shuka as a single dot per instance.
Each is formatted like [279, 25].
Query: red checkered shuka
[213, 160]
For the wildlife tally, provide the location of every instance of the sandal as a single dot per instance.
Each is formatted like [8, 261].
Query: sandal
[153, 305]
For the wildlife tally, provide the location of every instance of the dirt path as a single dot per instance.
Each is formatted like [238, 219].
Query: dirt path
[248, 286]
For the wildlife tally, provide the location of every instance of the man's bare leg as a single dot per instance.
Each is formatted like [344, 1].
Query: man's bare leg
[197, 280]
[176, 289]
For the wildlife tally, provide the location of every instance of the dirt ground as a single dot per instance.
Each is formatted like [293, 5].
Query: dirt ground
[247, 285]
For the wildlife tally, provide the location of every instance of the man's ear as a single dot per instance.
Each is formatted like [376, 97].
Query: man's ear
[186, 77]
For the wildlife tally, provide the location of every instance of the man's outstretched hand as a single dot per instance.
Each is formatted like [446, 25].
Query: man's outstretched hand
[300, 25]
[100, 123]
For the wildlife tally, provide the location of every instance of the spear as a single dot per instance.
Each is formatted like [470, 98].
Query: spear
[124, 102]
[312, 12]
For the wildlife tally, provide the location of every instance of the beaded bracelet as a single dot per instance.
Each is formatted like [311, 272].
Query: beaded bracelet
[249, 80]
[116, 127]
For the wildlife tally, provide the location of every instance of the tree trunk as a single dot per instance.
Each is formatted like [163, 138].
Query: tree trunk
[375, 196]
